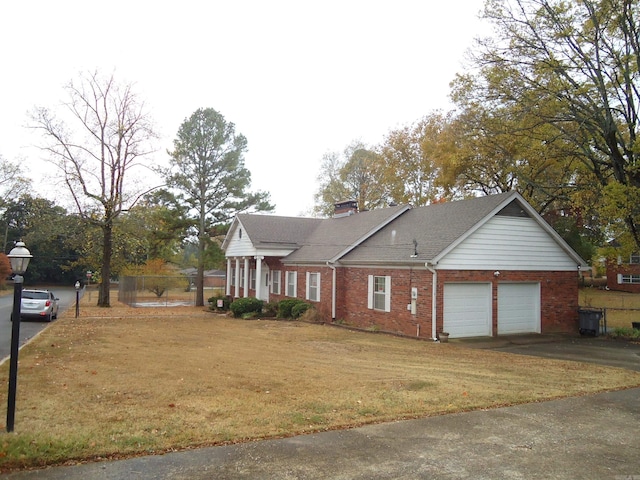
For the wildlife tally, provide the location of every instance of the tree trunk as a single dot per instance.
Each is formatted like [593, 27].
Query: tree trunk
[107, 247]
[200, 274]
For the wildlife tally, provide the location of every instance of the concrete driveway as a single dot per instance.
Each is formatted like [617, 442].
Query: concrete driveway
[590, 437]
[599, 350]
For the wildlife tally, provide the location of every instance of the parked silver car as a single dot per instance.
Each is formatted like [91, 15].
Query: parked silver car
[41, 304]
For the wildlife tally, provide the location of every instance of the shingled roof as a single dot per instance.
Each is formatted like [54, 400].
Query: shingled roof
[434, 228]
[273, 231]
[393, 235]
[335, 236]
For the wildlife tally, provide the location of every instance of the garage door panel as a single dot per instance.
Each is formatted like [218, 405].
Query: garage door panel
[518, 308]
[467, 309]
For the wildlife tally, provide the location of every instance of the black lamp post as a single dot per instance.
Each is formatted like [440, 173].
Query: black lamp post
[77, 299]
[19, 258]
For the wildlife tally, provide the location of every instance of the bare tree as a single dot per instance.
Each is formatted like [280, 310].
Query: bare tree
[112, 134]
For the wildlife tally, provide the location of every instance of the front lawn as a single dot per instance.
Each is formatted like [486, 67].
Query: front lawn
[123, 381]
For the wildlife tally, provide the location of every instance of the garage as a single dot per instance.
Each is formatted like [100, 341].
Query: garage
[467, 309]
[518, 308]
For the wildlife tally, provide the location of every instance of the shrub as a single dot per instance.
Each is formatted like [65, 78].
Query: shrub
[285, 307]
[213, 303]
[242, 306]
[270, 309]
[311, 316]
[299, 309]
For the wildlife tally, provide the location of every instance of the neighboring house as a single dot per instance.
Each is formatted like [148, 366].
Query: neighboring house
[212, 278]
[481, 267]
[624, 276]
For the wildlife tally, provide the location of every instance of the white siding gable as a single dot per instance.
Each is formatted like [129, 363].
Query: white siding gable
[508, 243]
[240, 244]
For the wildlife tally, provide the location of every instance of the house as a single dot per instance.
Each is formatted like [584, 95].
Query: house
[480, 267]
[624, 274]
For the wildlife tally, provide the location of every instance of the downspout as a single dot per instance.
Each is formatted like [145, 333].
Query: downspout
[333, 291]
[434, 295]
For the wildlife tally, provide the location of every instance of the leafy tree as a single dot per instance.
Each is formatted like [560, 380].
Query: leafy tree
[96, 159]
[52, 236]
[356, 175]
[154, 228]
[331, 189]
[413, 156]
[573, 67]
[207, 169]
[5, 269]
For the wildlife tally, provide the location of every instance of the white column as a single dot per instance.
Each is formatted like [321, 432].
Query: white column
[246, 277]
[259, 277]
[227, 289]
[236, 293]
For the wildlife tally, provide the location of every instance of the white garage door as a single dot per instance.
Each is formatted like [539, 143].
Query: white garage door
[518, 308]
[467, 309]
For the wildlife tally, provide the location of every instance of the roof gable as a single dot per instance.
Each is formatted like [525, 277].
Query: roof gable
[427, 234]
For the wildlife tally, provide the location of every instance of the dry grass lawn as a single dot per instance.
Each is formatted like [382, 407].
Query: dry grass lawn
[124, 381]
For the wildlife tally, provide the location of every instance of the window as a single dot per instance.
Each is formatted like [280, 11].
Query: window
[313, 287]
[379, 293]
[635, 258]
[628, 278]
[252, 279]
[275, 282]
[292, 280]
[233, 277]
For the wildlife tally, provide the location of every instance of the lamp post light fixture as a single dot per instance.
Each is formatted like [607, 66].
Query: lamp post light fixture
[19, 258]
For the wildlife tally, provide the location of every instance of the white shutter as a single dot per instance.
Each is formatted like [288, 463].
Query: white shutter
[370, 293]
[387, 294]
[619, 278]
[306, 291]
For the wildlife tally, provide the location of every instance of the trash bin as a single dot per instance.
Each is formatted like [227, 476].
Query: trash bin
[589, 321]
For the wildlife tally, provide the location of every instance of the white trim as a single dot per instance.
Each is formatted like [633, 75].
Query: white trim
[294, 275]
[371, 293]
[308, 286]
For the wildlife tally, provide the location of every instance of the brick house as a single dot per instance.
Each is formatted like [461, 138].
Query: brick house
[480, 267]
[624, 274]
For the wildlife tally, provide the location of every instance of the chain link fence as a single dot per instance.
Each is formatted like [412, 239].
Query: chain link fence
[157, 291]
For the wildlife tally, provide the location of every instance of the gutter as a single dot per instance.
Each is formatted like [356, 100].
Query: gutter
[333, 291]
[434, 291]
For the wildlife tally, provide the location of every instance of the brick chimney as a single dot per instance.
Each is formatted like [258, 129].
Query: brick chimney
[344, 209]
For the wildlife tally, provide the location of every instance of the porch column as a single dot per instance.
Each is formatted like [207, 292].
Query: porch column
[227, 288]
[246, 277]
[259, 276]
[236, 293]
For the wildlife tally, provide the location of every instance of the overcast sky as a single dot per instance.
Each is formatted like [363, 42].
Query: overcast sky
[297, 78]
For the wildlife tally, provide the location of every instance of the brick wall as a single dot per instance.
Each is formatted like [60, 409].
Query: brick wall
[613, 269]
[558, 292]
[353, 301]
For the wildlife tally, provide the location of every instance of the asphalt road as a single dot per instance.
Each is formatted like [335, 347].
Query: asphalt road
[28, 329]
